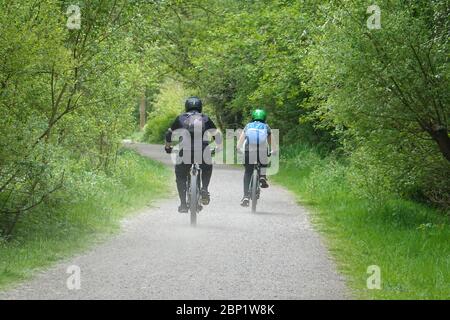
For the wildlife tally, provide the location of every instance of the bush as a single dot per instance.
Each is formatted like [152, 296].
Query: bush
[156, 127]
[389, 94]
[413, 174]
[169, 103]
[64, 104]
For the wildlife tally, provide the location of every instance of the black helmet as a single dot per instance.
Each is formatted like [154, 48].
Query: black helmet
[193, 103]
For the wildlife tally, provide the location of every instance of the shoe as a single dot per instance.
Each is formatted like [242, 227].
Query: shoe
[183, 208]
[245, 202]
[205, 197]
[263, 182]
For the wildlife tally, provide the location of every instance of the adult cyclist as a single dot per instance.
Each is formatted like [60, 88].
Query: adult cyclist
[256, 140]
[190, 120]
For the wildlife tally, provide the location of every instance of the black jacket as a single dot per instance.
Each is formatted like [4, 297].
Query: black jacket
[180, 123]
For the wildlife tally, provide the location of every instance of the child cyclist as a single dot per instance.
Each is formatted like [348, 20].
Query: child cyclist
[255, 141]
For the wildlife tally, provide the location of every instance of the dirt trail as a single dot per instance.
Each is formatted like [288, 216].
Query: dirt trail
[231, 254]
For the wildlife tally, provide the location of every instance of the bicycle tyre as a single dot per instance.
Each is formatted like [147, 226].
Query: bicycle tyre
[254, 190]
[193, 208]
[188, 192]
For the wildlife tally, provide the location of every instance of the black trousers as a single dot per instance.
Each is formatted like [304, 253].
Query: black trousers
[251, 158]
[182, 172]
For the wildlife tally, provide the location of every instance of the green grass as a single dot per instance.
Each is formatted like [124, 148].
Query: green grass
[410, 242]
[58, 231]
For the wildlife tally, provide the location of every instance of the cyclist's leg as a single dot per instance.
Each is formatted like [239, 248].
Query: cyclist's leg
[263, 178]
[181, 173]
[263, 159]
[250, 160]
[206, 175]
[206, 167]
[248, 171]
[206, 178]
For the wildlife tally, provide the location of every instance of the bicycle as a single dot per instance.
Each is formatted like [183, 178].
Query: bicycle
[254, 186]
[193, 187]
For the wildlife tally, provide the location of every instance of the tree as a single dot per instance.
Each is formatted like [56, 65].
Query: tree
[388, 89]
[67, 95]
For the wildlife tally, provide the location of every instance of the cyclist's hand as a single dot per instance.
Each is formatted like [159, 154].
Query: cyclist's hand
[168, 149]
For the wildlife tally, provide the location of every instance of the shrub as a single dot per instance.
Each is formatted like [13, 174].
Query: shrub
[169, 103]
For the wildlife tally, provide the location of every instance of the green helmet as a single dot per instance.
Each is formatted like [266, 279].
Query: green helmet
[259, 115]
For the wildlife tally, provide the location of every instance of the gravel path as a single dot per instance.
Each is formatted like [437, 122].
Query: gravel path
[231, 254]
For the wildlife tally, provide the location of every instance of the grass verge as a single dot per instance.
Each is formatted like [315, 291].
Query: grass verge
[72, 224]
[408, 241]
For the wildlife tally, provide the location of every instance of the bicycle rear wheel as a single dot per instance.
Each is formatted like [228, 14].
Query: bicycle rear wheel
[254, 189]
[188, 191]
[194, 196]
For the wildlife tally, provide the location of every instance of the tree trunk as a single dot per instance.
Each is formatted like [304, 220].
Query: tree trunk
[142, 112]
[440, 135]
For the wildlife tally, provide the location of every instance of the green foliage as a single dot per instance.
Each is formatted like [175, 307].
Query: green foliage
[388, 90]
[67, 96]
[168, 104]
[157, 127]
[249, 56]
[378, 96]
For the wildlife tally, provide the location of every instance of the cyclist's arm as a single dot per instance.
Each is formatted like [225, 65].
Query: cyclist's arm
[269, 140]
[168, 139]
[272, 148]
[175, 125]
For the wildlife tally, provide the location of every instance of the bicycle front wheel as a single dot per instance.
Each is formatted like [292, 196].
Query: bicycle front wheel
[194, 195]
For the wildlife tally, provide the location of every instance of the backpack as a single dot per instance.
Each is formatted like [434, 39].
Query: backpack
[192, 121]
[256, 133]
